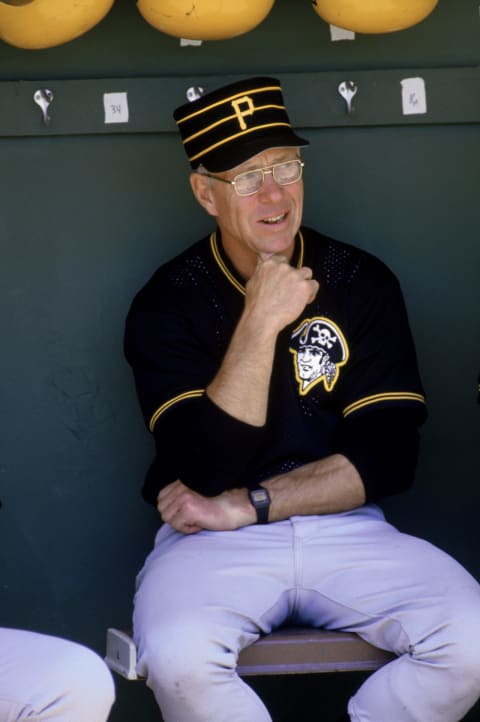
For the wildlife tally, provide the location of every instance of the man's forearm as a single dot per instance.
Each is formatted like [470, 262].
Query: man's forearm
[242, 383]
[275, 296]
[327, 486]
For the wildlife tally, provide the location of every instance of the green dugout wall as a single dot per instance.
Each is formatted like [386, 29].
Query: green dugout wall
[89, 209]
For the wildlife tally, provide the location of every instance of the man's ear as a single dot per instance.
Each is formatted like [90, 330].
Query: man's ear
[202, 190]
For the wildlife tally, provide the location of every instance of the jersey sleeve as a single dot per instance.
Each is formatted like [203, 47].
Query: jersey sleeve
[382, 372]
[382, 400]
[383, 446]
[196, 441]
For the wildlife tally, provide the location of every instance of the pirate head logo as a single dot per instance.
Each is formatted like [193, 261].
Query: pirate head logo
[319, 349]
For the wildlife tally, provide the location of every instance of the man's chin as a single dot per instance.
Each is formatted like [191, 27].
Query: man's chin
[279, 246]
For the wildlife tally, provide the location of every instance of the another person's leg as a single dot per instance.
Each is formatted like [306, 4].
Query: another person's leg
[51, 679]
[402, 594]
[200, 599]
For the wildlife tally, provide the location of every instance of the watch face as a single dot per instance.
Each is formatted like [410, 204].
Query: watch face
[260, 499]
[259, 495]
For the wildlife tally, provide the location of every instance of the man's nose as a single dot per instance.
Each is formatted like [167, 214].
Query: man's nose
[270, 186]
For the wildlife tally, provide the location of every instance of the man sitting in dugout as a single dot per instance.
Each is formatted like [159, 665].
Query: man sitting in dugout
[276, 370]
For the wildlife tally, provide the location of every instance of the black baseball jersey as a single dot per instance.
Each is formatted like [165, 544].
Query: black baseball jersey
[344, 379]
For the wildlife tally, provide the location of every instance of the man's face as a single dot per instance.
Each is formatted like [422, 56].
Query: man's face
[261, 224]
[310, 363]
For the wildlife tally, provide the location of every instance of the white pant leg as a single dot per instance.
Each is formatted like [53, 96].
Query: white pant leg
[200, 599]
[403, 594]
[48, 679]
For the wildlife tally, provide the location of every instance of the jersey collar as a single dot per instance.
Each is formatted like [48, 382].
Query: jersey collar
[227, 268]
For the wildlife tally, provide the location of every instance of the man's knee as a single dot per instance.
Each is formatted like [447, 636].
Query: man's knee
[464, 654]
[59, 680]
[454, 648]
[90, 677]
[184, 655]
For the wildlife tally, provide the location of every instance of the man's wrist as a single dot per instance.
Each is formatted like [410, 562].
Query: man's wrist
[260, 500]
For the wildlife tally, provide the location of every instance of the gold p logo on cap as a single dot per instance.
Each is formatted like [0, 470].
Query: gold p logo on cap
[237, 107]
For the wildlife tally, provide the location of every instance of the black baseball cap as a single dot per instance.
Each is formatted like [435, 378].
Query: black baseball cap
[227, 126]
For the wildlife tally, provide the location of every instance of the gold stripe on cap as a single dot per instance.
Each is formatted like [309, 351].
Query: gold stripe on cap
[378, 398]
[236, 135]
[225, 120]
[229, 100]
[195, 393]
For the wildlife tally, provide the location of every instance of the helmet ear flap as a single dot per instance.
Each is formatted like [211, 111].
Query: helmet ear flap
[373, 16]
[210, 20]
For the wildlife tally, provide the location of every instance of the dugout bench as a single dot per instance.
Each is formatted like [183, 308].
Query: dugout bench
[288, 650]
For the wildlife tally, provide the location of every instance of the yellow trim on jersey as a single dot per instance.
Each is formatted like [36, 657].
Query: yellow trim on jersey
[378, 398]
[221, 264]
[195, 393]
[236, 135]
[301, 251]
[240, 94]
[223, 267]
[225, 120]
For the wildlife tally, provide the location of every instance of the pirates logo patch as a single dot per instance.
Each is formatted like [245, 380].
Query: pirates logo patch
[319, 351]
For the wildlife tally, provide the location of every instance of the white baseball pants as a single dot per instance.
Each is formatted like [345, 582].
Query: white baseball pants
[201, 598]
[47, 679]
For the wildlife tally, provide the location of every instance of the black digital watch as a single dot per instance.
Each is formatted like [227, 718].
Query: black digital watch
[260, 499]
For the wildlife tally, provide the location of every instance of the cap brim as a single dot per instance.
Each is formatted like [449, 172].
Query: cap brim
[235, 154]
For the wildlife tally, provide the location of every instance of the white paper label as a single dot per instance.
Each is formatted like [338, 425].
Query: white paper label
[116, 107]
[340, 34]
[184, 42]
[414, 99]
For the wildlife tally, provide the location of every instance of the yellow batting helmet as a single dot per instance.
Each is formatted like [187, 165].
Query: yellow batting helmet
[373, 16]
[204, 19]
[45, 23]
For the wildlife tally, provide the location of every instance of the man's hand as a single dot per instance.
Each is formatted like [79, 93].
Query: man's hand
[189, 512]
[277, 293]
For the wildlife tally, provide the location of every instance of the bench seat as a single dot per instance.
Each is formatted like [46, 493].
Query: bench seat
[297, 650]
[288, 650]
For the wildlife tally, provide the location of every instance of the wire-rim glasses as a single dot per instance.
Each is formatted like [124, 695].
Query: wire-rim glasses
[251, 181]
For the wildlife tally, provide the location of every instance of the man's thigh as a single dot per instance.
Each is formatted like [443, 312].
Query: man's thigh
[248, 572]
[361, 574]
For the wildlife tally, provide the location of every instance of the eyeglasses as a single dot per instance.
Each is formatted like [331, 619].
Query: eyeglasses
[250, 182]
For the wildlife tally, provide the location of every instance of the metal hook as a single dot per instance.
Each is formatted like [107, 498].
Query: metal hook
[348, 89]
[43, 98]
